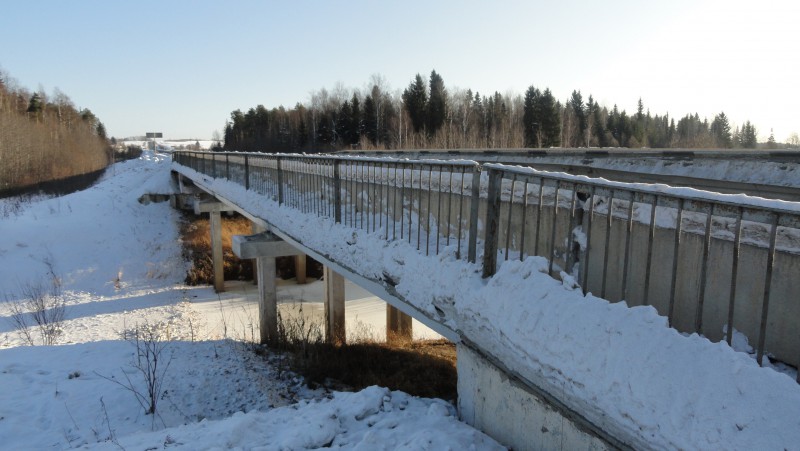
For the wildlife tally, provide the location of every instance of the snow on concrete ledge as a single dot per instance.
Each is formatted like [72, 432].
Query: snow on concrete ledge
[623, 368]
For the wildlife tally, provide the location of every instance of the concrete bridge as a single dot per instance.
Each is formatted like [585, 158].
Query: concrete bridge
[707, 262]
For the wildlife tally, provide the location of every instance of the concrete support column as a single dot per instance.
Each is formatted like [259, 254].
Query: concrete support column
[300, 268]
[255, 228]
[267, 299]
[334, 307]
[264, 247]
[398, 325]
[215, 224]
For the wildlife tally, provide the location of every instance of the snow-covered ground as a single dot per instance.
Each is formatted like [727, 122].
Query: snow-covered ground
[119, 267]
[623, 368]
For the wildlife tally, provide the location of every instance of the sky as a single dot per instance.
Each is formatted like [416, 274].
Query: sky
[180, 67]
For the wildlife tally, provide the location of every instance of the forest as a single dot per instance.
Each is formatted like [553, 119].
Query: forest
[427, 115]
[45, 137]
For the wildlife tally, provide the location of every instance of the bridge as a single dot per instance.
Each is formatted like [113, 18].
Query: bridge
[706, 262]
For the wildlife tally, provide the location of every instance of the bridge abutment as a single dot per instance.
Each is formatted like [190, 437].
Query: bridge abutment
[492, 400]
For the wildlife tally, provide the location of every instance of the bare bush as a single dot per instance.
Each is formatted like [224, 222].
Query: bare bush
[38, 310]
[152, 362]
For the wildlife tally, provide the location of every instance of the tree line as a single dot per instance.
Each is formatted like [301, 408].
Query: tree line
[428, 115]
[45, 137]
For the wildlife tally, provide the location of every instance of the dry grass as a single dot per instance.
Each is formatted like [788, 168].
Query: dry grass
[424, 368]
[197, 248]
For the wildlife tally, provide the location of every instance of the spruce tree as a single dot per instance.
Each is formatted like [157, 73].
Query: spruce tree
[576, 102]
[370, 121]
[435, 109]
[415, 101]
[530, 119]
[550, 120]
[721, 131]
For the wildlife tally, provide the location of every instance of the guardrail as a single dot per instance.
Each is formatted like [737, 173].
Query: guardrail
[708, 262]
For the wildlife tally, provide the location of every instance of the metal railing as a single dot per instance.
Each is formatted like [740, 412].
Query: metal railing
[429, 204]
[704, 261]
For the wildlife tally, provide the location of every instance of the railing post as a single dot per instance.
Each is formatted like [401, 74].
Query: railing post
[337, 192]
[246, 172]
[280, 180]
[213, 165]
[492, 223]
[227, 167]
[474, 206]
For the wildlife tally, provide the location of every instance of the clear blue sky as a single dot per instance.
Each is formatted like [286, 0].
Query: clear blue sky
[181, 67]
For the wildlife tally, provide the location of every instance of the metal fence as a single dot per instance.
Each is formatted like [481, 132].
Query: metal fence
[707, 262]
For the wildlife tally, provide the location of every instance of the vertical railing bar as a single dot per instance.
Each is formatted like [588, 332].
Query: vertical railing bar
[492, 223]
[762, 331]
[337, 191]
[353, 193]
[698, 324]
[246, 172]
[539, 217]
[552, 256]
[411, 200]
[609, 223]
[587, 251]
[524, 221]
[227, 166]
[626, 262]
[510, 208]
[439, 209]
[381, 200]
[651, 236]
[449, 203]
[365, 189]
[375, 197]
[675, 251]
[428, 211]
[737, 240]
[460, 212]
[403, 202]
[280, 180]
[394, 205]
[569, 259]
[419, 216]
[370, 199]
[474, 207]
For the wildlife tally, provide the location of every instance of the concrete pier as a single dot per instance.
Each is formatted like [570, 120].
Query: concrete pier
[264, 247]
[334, 306]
